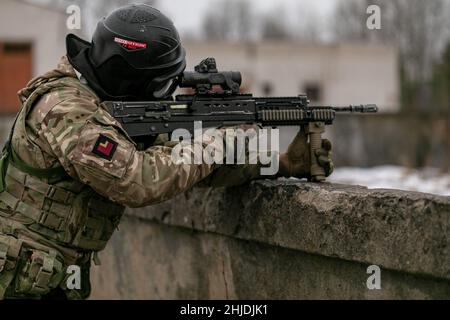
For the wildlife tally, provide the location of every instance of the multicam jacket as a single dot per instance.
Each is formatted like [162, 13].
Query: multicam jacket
[71, 169]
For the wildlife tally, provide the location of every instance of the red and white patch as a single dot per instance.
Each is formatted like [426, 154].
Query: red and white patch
[105, 147]
[128, 44]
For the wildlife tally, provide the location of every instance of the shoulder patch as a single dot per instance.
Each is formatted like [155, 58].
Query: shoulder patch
[100, 149]
[105, 147]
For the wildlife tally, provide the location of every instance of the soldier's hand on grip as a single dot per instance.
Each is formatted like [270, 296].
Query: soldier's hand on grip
[296, 162]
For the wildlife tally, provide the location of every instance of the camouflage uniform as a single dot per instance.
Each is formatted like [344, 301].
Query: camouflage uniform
[71, 170]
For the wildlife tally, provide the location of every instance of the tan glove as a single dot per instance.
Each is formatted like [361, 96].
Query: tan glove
[296, 161]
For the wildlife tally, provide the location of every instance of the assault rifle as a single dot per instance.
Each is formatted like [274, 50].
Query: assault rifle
[144, 121]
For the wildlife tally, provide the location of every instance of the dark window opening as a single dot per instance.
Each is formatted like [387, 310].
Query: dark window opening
[15, 72]
[14, 48]
[267, 88]
[313, 91]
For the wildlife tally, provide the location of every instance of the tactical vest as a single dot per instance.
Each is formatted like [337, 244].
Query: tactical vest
[49, 202]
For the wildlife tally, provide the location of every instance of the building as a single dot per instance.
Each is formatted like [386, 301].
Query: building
[330, 74]
[31, 43]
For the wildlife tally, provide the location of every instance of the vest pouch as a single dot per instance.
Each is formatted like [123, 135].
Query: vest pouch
[3, 166]
[39, 272]
[10, 249]
[97, 221]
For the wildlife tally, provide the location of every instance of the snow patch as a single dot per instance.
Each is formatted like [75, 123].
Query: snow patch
[429, 180]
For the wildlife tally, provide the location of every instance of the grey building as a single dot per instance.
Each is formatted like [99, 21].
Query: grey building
[31, 43]
[330, 74]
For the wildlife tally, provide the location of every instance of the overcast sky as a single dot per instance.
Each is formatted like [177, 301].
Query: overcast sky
[187, 14]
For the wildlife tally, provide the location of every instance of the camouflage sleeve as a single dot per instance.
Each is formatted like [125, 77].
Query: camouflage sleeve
[233, 175]
[93, 148]
[237, 174]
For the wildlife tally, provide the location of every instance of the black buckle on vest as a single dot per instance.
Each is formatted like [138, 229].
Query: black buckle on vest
[42, 280]
[43, 220]
[3, 258]
[50, 192]
[54, 193]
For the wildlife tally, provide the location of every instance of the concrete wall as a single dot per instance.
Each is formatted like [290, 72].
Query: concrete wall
[44, 28]
[346, 73]
[280, 240]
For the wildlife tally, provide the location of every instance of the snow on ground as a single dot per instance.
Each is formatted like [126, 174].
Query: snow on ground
[428, 180]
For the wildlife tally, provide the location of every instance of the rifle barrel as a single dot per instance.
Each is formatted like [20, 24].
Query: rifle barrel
[362, 108]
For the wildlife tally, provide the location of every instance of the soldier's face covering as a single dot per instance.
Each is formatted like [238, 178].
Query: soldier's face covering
[116, 80]
[166, 90]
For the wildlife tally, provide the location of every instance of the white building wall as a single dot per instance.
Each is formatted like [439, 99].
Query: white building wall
[346, 74]
[44, 28]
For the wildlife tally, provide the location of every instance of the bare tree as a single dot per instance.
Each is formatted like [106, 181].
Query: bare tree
[274, 28]
[418, 28]
[349, 24]
[229, 20]
[309, 26]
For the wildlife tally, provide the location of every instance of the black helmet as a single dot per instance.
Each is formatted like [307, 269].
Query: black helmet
[135, 54]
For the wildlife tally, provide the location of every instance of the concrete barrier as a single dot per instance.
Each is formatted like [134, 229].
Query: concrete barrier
[282, 239]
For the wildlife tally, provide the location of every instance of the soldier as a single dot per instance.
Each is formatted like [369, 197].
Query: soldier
[69, 168]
